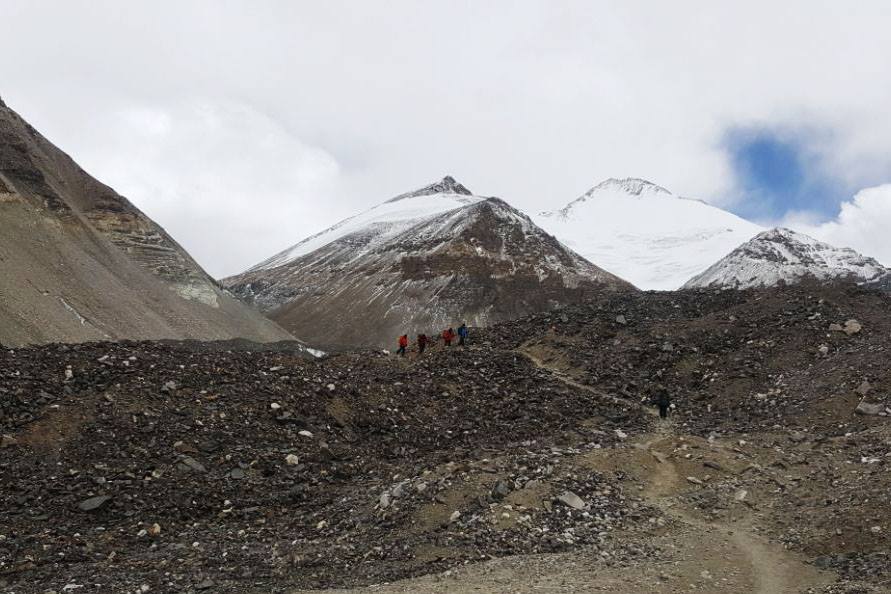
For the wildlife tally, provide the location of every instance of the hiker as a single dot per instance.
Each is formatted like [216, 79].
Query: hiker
[422, 343]
[462, 334]
[403, 343]
[448, 336]
[663, 401]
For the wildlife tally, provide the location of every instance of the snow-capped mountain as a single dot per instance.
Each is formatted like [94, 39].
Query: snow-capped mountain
[644, 233]
[420, 262]
[782, 255]
[79, 262]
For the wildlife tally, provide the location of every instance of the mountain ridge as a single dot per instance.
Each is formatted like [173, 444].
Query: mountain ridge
[781, 255]
[413, 265]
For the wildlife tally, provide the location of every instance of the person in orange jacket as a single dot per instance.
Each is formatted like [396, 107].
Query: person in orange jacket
[403, 343]
[448, 336]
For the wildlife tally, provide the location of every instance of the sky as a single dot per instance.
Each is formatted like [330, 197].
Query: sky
[243, 127]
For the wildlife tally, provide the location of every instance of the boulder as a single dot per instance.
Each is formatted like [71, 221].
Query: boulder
[94, 503]
[570, 499]
[870, 409]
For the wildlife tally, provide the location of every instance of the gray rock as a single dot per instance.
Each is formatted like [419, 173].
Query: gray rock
[237, 474]
[823, 562]
[93, 503]
[864, 388]
[798, 437]
[620, 319]
[570, 499]
[169, 387]
[501, 490]
[852, 327]
[189, 463]
[871, 409]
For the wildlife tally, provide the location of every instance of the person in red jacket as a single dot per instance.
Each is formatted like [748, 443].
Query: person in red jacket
[403, 343]
[422, 343]
[448, 336]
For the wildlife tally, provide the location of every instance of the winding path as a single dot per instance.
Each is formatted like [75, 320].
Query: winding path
[773, 570]
[697, 554]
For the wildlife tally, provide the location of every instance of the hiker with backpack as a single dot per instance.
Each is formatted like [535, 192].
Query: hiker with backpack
[403, 344]
[462, 334]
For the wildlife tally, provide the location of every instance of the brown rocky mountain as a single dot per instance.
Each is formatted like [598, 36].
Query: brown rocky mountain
[420, 262]
[79, 262]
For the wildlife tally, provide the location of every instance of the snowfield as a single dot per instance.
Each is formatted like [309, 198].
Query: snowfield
[645, 234]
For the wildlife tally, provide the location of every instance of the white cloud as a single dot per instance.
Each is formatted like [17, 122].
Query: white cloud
[222, 179]
[533, 101]
[862, 224]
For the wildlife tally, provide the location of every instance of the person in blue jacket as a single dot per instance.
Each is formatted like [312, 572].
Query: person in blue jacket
[462, 334]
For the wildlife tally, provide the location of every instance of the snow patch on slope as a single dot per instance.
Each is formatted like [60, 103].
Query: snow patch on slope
[383, 222]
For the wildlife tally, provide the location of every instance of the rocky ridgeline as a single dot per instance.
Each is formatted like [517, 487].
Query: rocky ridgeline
[805, 357]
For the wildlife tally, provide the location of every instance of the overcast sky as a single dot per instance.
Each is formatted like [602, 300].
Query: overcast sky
[242, 127]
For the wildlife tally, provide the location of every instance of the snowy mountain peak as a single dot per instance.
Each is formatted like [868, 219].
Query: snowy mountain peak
[634, 186]
[644, 233]
[447, 185]
[782, 255]
[611, 190]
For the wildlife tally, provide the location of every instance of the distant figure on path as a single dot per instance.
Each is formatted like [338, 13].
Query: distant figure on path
[462, 334]
[663, 401]
[403, 343]
[422, 343]
[448, 336]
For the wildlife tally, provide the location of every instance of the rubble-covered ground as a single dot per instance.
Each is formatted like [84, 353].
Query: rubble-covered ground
[189, 467]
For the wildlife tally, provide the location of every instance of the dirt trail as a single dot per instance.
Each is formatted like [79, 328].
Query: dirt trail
[563, 378]
[699, 555]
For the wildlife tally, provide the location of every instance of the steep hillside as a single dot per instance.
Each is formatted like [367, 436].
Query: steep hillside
[420, 262]
[79, 262]
[644, 233]
[785, 256]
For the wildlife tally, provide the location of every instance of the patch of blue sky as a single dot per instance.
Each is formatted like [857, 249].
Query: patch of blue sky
[781, 172]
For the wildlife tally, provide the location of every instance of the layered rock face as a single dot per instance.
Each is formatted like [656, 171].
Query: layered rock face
[79, 262]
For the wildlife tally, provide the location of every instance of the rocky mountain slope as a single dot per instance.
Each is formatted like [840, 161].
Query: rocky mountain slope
[79, 262]
[528, 461]
[782, 255]
[420, 262]
[644, 233]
